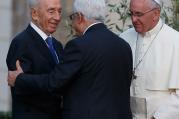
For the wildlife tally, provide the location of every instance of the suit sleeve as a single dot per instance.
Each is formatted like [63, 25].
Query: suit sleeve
[17, 52]
[63, 74]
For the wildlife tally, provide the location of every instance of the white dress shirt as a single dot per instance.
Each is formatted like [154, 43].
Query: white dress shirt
[42, 34]
[39, 31]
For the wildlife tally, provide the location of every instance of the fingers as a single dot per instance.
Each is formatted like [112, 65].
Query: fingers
[12, 75]
[19, 69]
[18, 65]
[11, 78]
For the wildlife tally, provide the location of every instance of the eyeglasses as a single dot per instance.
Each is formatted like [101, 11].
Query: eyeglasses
[140, 14]
[73, 15]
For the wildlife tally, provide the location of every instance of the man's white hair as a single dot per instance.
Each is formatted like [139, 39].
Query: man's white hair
[91, 9]
[155, 3]
[33, 3]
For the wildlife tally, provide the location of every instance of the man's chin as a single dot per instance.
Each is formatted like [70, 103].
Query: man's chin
[78, 34]
[52, 31]
[138, 30]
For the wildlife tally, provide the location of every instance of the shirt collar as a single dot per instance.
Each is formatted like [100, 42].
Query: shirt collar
[90, 26]
[39, 31]
[155, 30]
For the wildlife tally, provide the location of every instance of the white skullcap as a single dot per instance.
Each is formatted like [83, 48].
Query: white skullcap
[158, 2]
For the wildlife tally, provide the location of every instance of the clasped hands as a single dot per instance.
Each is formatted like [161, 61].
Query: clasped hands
[12, 75]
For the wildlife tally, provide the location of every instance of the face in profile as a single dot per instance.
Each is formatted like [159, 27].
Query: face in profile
[143, 16]
[77, 21]
[48, 15]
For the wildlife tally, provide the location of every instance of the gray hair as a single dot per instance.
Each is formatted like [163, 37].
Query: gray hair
[33, 3]
[91, 9]
[154, 4]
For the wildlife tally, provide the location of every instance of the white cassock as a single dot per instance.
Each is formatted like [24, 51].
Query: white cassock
[156, 59]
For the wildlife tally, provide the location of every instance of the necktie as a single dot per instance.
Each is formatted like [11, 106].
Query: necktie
[52, 50]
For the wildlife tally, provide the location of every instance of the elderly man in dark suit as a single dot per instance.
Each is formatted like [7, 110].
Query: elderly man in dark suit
[95, 75]
[37, 56]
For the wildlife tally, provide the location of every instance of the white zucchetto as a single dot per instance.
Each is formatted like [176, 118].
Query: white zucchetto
[158, 2]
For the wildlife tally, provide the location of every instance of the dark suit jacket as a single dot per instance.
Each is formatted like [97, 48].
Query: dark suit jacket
[94, 78]
[35, 58]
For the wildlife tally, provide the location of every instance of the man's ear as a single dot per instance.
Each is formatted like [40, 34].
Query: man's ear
[156, 14]
[81, 18]
[34, 14]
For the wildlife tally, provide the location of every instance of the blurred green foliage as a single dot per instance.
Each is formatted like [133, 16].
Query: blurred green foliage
[170, 14]
[173, 18]
[5, 115]
[121, 11]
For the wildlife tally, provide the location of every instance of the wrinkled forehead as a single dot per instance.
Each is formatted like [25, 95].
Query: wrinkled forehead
[50, 3]
[139, 5]
[139, 1]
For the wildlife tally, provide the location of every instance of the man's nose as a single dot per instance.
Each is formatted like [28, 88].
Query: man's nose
[134, 18]
[57, 16]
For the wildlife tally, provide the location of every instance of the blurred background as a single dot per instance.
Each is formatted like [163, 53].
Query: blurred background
[15, 17]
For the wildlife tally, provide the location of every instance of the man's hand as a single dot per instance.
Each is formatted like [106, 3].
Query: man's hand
[13, 74]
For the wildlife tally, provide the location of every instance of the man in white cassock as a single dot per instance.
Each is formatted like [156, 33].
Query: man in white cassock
[155, 46]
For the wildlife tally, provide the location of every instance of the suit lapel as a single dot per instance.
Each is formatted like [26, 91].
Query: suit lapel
[40, 44]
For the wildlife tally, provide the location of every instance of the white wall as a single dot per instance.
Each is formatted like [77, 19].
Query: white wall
[5, 33]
